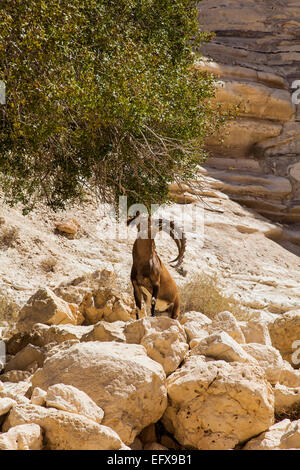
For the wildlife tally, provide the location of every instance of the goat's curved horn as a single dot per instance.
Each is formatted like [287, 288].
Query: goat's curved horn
[181, 246]
[180, 239]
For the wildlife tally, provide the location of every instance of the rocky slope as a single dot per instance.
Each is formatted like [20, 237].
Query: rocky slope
[250, 255]
[256, 54]
[101, 379]
[81, 372]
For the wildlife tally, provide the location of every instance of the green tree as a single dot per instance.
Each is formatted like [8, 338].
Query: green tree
[101, 94]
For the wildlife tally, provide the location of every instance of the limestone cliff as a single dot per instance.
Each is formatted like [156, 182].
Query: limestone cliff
[256, 54]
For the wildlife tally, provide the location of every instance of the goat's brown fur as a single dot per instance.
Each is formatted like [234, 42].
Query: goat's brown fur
[150, 278]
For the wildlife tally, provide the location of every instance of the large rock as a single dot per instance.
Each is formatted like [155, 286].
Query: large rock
[195, 324]
[21, 339]
[69, 398]
[244, 73]
[217, 405]
[22, 437]
[18, 391]
[256, 332]
[106, 331]
[268, 358]
[238, 26]
[240, 137]
[284, 435]
[285, 336]
[64, 430]
[54, 348]
[241, 185]
[255, 100]
[25, 358]
[5, 405]
[163, 338]
[221, 346]
[59, 333]
[38, 396]
[67, 226]
[287, 400]
[269, 439]
[74, 291]
[120, 378]
[15, 376]
[226, 321]
[45, 307]
[107, 304]
[289, 377]
[291, 437]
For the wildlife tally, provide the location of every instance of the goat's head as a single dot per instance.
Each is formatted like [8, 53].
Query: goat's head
[149, 227]
[143, 225]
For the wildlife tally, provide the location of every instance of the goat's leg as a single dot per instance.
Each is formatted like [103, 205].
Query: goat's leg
[175, 309]
[137, 296]
[154, 298]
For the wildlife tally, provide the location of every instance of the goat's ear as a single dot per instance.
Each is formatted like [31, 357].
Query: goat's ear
[132, 218]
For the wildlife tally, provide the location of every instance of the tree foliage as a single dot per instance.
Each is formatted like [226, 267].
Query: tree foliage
[101, 94]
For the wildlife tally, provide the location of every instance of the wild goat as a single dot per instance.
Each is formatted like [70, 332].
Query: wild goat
[149, 276]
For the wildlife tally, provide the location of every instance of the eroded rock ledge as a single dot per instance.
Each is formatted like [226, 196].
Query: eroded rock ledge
[256, 55]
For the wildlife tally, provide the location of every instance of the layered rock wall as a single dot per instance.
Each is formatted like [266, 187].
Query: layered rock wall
[256, 55]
